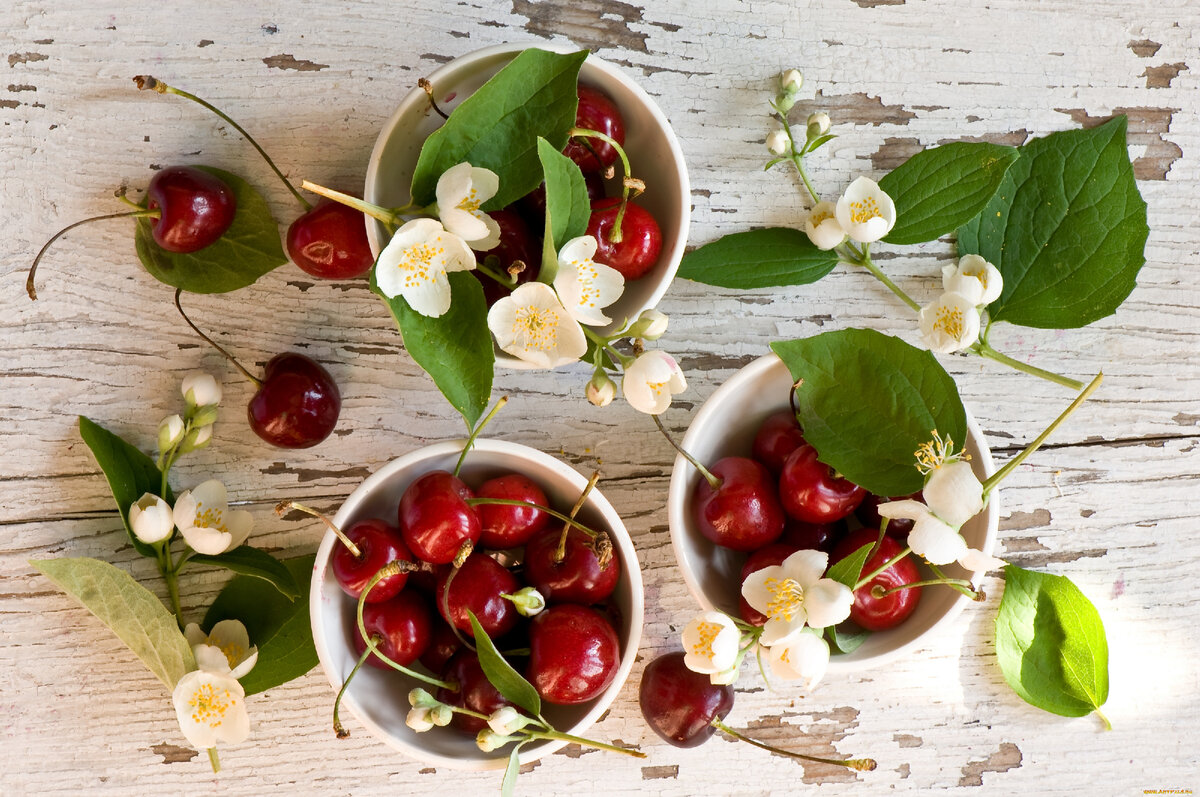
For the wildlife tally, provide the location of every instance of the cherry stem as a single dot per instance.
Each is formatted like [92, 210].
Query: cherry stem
[615, 234]
[464, 551]
[129, 214]
[338, 728]
[500, 402]
[860, 764]
[969, 591]
[566, 737]
[213, 343]
[153, 84]
[427, 87]
[283, 506]
[389, 217]
[867, 579]
[488, 271]
[560, 552]
[215, 760]
[391, 569]
[878, 592]
[552, 513]
[1009, 466]
[712, 480]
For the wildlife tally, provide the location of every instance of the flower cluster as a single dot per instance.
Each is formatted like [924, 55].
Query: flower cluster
[952, 322]
[209, 702]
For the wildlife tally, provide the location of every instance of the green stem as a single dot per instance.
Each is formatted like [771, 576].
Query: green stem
[475, 432]
[950, 582]
[214, 759]
[713, 481]
[860, 764]
[1104, 719]
[147, 82]
[969, 591]
[999, 475]
[506, 281]
[338, 728]
[796, 156]
[867, 578]
[257, 382]
[129, 214]
[172, 580]
[552, 513]
[984, 350]
[615, 234]
[566, 737]
[389, 217]
[603, 343]
[870, 266]
[391, 569]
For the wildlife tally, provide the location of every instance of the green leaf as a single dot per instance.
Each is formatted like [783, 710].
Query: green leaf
[249, 249]
[1067, 229]
[508, 682]
[849, 570]
[767, 258]
[455, 349]
[278, 626]
[939, 189]
[130, 473]
[567, 206]
[251, 561]
[1050, 643]
[868, 400]
[845, 637]
[130, 610]
[509, 784]
[497, 127]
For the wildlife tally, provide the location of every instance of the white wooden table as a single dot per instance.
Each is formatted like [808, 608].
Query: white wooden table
[1112, 501]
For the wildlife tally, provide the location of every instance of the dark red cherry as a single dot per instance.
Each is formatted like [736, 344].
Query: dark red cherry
[870, 611]
[574, 653]
[773, 554]
[816, 536]
[777, 437]
[330, 242]
[298, 403]
[443, 644]
[378, 543]
[868, 514]
[680, 705]
[811, 491]
[196, 208]
[475, 692]
[478, 586]
[596, 111]
[641, 239]
[404, 621]
[578, 577]
[435, 519]
[516, 243]
[743, 513]
[504, 525]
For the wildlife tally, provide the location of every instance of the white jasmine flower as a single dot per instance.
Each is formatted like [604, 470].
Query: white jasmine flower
[211, 708]
[803, 656]
[532, 324]
[419, 719]
[170, 431]
[584, 286]
[420, 698]
[823, 227]
[818, 124]
[601, 389]
[711, 643]
[226, 649]
[651, 380]
[151, 519]
[461, 191]
[207, 523]
[777, 142]
[415, 262]
[865, 212]
[949, 324]
[974, 278]
[200, 390]
[793, 594]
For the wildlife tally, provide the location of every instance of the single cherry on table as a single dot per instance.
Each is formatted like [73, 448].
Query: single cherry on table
[297, 404]
[680, 705]
[195, 208]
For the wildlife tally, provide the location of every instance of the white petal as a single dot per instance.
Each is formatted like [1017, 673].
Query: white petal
[200, 389]
[777, 142]
[803, 658]
[978, 561]
[531, 323]
[415, 262]
[419, 720]
[908, 509]
[651, 380]
[469, 226]
[246, 664]
[827, 602]
[486, 183]
[194, 635]
[822, 226]
[184, 512]
[865, 211]
[778, 628]
[239, 522]
[724, 677]
[211, 709]
[205, 540]
[454, 185]
[211, 494]
[585, 286]
[754, 588]
[937, 542]
[711, 643]
[491, 239]
[949, 324]
[151, 519]
[974, 269]
[806, 566]
[211, 658]
[953, 493]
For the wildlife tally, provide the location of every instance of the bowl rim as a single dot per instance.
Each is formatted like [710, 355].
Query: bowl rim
[621, 540]
[416, 96]
[678, 522]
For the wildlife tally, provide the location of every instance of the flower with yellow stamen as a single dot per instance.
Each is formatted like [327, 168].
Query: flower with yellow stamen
[225, 649]
[532, 324]
[865, 211]
[211, 708]
[711, 643]
[651, 380]
[207, 523]
[803, 656]
[460, 192]
[949, 324]
[584, 286]
[793, 595]
[415, 263]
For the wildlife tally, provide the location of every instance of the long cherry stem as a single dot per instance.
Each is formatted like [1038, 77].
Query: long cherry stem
[615, 235]
[213, 343]
[560, 552]
[860, 764]
[712, 480]
[338, 728]
[566, 737]
[283, 506]
[391, 569]
[129, 214]
[552, 513]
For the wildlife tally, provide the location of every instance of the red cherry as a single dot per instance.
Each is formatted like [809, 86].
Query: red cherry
[443, 644]
[330, 242]
[435, 519]
[777, 437]
[596, 111]
[478, 586]
[871, 612]
[810, 491]
[578, 578]
[680, 705]
[743, 513]
[297, 404]
[404, 622]
[379, 544]
[773, 554]
[641, 239]
[816, 536]
[516, 243]
[868, 514]
[507, 526]
[475, 692]
[574, 653]
[196, 208]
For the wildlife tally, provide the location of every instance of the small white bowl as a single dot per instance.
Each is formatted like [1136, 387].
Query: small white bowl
[725, 426]
[654, 156]
[378, 698]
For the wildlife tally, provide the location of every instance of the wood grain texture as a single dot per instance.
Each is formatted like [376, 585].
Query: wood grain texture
[1111, 500]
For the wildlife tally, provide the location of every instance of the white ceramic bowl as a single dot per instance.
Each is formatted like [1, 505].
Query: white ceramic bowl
[725, 426]
[653, 150]
[378, 698]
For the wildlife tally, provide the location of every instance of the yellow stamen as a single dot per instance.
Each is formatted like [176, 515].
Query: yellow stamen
[950, 320]
[211, 518]
[536, 328]
[707, 634]
[209, 705]
[937, 452]
[470, 202]
[787, 598]
[417, 262]
[864, 210]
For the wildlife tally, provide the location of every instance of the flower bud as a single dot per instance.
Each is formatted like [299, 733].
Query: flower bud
[791, 81]
[601, 390]
[151, 519]
[440, 715]
[488, 740]
[419, 720]
[196, 439]
[200, 389]
[650, 325]
[420, 698]
[170, 432]
[818, 124]
[204, 416]
[506, 720]
[528, 601]
[777, 142]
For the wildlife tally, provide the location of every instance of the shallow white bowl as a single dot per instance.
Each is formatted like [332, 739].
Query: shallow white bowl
[725, 426]
[654, 156]
[378, 698]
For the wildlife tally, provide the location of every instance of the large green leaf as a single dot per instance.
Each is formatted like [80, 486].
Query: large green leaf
[1051, 644]
[1067, 229]
[567, 206]
[508, 682]
[767, 258]
[498, 126]
[939, 189]
[130, 473]
[868, 400]
[133, 613]
[249, 249]
[277, 625]
[251, 561]
[455, 349]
